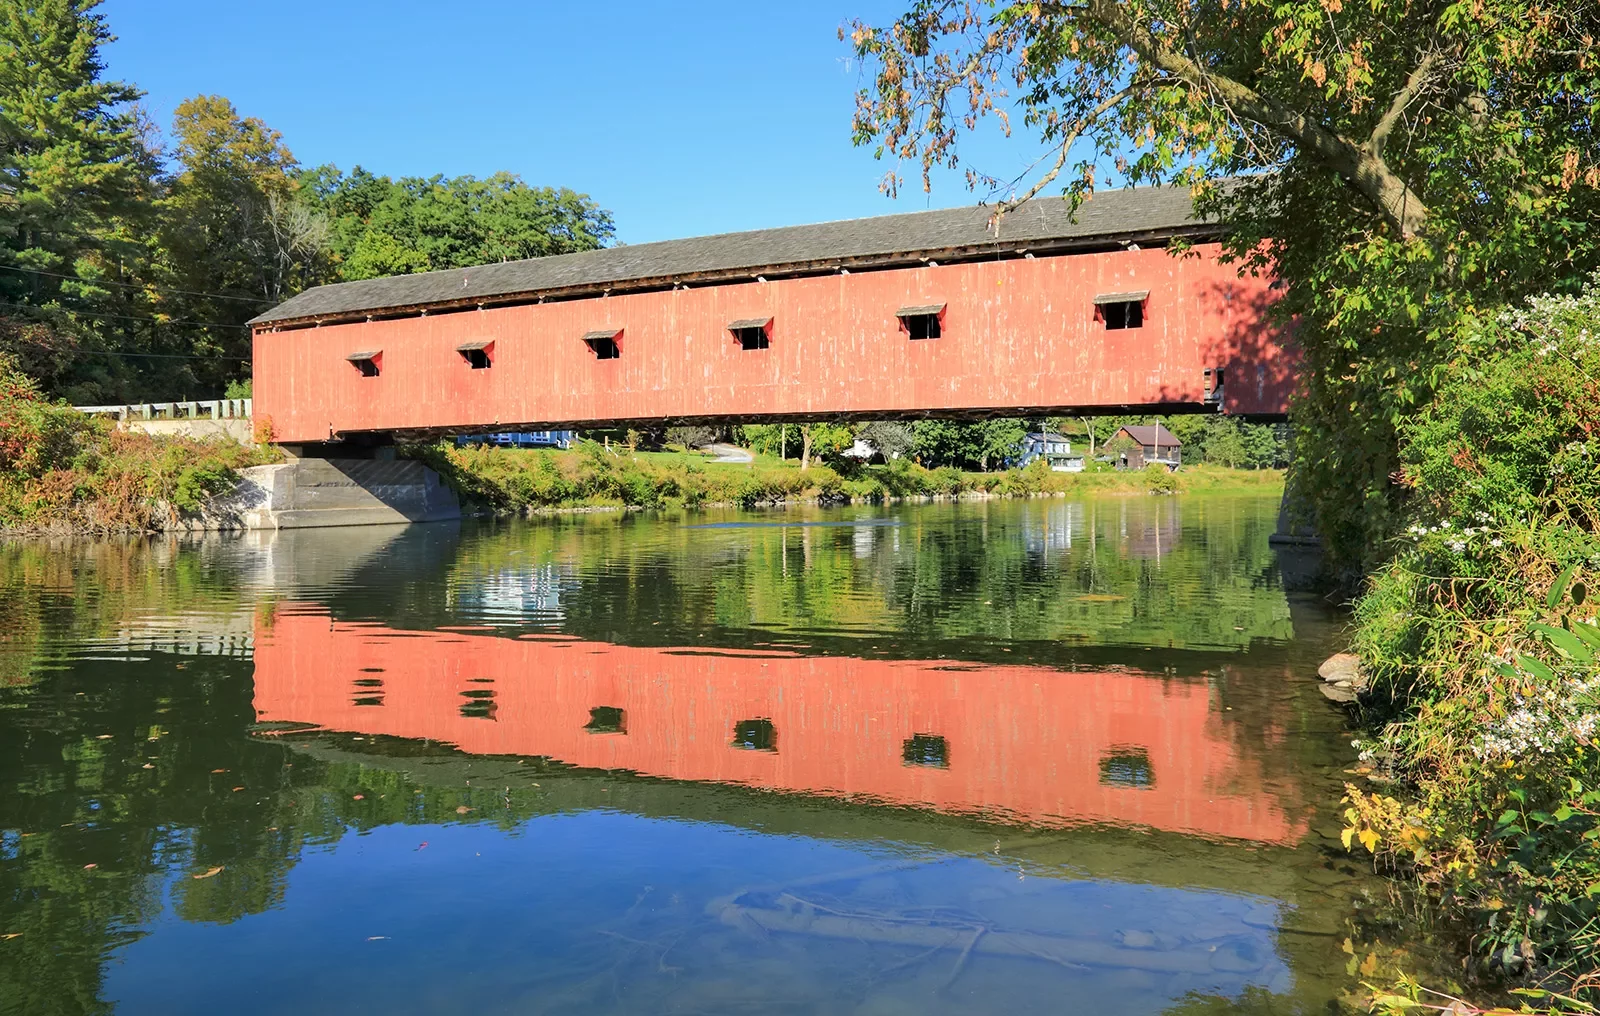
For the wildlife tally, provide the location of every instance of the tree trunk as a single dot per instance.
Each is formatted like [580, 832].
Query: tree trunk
[805, 447]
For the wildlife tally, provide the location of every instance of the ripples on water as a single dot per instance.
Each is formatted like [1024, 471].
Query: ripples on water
[935, 759]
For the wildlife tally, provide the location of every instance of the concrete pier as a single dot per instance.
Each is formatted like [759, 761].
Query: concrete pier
[312, 492]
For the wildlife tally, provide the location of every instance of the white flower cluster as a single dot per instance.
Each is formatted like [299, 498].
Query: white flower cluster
[1545, 315]
[1545, 721]
[1458, 539]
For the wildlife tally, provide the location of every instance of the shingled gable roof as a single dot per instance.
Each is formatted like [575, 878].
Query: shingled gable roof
[1147, 436]
[1144, 213]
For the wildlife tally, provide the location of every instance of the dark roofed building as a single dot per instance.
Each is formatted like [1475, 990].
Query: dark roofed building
[1108, 221]
[1154, 443]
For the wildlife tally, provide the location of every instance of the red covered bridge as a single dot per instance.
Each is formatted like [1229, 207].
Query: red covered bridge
[942, 313]
[1007, 742]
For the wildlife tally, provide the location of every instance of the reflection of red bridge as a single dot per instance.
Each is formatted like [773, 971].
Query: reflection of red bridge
[1018, 743]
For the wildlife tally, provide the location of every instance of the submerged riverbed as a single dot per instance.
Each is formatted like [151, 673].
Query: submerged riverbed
[946, 758]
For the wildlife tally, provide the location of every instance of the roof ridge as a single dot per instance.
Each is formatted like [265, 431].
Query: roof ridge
[1133, 210]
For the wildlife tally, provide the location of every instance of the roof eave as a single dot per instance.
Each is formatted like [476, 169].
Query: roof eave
[969, 252]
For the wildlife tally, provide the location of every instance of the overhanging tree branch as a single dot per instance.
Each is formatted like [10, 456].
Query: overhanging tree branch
[1083, 124]
[1415, 81]
[1364, 170]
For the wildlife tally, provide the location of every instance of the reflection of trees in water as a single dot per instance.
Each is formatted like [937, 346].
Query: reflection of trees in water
[1165, 572]
[1046, 577]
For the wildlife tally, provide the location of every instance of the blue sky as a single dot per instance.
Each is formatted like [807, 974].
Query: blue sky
[682, 119]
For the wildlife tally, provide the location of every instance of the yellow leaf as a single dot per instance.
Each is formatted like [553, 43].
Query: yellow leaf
[1369, 964]
[1369, 839]
[1345, 836]
[214, 871]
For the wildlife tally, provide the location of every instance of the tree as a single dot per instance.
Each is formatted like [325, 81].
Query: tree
[75, 177]
[999, 440]
[1424, 160]
[823, 440]
[382, 227]
[234, 237]
[1263, 445]
[694, 437]
[892, 440]
[1224, 445]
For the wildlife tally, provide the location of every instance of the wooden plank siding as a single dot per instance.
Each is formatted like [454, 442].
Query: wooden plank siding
[1017, 334]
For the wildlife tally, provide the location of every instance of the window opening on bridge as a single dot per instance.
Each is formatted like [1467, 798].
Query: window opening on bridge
[603, 343]
[476, 354]
[479, 705]
[921, 322]
[366, 363]
[751, 332]
[755, 735]
[607, 720]
[926, 750]
[1121, 310]
[1127, 766]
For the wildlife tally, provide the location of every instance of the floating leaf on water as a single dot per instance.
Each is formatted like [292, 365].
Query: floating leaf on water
[462, 810]
[219, 770]
[8, 936]
[90, 867]
[207, 874]
[358, 797]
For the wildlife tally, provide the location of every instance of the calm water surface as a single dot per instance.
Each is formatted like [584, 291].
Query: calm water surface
[1061, 755]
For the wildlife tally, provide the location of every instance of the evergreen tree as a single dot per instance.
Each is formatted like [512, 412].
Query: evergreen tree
[75, 182]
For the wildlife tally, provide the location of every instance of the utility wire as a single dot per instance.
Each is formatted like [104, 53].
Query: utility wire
[134, 285]
[123, 317]
[155, 356]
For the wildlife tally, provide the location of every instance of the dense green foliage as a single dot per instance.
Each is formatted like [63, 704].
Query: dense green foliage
[62, 470]
[130, 262]
[379, 227]
[1405, 171]
[997, 443]
[1423, 161]
[590, 475]
[1481, 644]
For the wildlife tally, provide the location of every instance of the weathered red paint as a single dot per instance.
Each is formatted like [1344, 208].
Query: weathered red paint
[1018, 334]
[1021, 745]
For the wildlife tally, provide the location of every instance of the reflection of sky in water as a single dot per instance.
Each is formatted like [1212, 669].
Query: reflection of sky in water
[531, 594]
[606, 912]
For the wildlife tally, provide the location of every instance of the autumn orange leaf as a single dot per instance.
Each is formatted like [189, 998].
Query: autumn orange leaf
[207, 874]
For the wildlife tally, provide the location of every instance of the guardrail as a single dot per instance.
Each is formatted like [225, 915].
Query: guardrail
[212, 409]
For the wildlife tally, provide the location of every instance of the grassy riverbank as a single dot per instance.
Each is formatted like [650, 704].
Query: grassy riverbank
[1480, 640]
[592, 476]
[61, 471]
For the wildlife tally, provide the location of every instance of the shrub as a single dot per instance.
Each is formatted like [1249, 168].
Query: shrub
[1477, 637]
[62, 469]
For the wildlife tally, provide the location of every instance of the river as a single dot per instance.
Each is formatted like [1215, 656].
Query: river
[1066, 755]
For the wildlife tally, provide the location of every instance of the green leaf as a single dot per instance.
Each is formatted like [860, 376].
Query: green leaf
[1532, 666]
[1588, 632]
[1559, 586]
[1565, 641]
